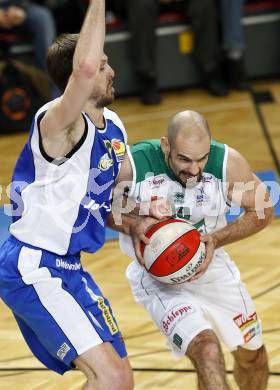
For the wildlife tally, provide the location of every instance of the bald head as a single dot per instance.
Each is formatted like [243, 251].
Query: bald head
[189, 125]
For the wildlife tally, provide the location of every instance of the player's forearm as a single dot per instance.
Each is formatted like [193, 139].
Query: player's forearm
[127, 220]
[90, 45]
[243, 227]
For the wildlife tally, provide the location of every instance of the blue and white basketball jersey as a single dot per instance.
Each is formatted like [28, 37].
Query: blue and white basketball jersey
[62, 205]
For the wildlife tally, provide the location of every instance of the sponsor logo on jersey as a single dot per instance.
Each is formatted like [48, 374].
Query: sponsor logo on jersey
[92, 205]
[244, 321]
[179, 197]
[108, 146]
[119, 149]
[63, 350]
[155, 182]
[65, 265]
[207, 178]
[174, 316]
[105, 162]
[201, 196]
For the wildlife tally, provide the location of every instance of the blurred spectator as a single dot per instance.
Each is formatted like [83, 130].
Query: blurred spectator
[233, 42]
[68, 14]
[23, 16]
[201, 14]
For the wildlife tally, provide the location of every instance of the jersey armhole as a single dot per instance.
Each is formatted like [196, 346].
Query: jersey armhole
[63, 159]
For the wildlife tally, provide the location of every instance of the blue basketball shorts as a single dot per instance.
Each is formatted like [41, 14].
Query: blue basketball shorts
[60, 310]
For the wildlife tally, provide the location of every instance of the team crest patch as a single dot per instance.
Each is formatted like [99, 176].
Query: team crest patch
[119, 149]
[105, 162]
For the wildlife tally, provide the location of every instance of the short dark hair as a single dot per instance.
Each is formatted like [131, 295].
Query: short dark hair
[60, 59]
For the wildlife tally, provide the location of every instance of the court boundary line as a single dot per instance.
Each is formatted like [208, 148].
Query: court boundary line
[265, 130]
[135, 369]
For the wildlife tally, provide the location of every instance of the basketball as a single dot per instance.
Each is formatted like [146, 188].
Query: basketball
[175, 251]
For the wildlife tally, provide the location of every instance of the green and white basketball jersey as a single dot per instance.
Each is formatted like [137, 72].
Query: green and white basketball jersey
[203, 205]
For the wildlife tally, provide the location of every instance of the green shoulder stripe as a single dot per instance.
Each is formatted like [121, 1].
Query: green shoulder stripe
[215, 163]
[148, 158]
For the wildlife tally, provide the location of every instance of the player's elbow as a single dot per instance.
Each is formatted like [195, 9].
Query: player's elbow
[265, 216]
[85, 69]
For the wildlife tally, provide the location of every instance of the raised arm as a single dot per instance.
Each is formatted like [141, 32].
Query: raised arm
[86, 62]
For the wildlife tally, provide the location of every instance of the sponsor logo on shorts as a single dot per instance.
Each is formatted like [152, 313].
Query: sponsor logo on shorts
[65, 265]
[174, 316]
[252, 333]
[63, 350]
[106, 314]
[177, 340]
[244, 321]
[248, 324]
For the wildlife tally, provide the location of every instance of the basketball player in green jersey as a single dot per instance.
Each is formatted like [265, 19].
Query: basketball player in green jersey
[201, 178]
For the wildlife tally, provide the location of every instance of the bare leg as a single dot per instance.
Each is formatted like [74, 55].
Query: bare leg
[206, 354]
[104, 369]
[251, 368]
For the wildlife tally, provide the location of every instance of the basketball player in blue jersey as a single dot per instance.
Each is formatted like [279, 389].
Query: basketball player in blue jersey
[61, 196]
[201, 177]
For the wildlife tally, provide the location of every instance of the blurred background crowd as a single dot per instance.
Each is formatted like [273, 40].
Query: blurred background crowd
[219, 44]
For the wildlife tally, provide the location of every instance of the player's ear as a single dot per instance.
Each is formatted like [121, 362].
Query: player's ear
[164, 143]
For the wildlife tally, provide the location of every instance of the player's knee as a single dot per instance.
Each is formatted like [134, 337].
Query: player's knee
[114, 377]
[209, 353]
[205, 349]
[253, 360]
[117, 378]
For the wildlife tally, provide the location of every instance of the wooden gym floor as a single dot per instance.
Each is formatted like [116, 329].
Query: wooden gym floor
[253, 129]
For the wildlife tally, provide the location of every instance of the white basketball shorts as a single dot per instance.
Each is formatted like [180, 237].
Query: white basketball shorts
[221, 303]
